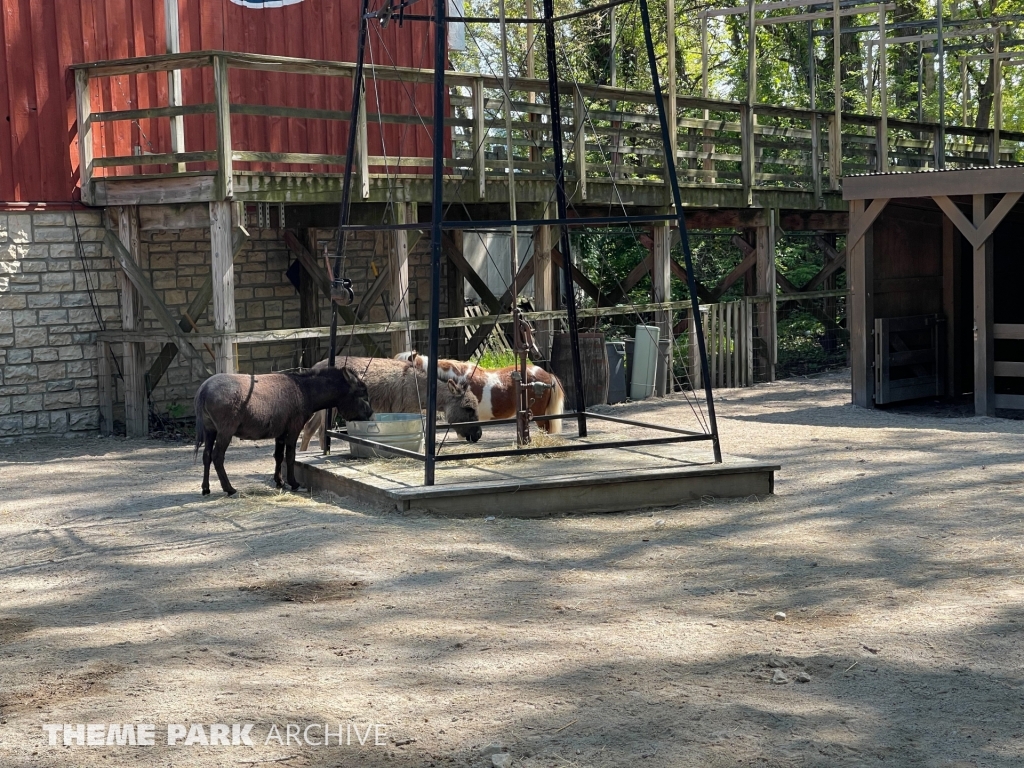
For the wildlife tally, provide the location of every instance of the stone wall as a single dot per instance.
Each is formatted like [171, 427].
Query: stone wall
[55, 296]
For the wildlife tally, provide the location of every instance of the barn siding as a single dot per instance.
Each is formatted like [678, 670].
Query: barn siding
[42, 38]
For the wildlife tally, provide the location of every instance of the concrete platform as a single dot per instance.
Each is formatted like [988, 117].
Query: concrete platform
[612, 480]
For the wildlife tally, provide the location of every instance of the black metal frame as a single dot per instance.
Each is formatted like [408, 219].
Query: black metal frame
[430, 457]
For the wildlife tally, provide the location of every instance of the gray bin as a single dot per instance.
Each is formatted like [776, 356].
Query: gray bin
[616, 372]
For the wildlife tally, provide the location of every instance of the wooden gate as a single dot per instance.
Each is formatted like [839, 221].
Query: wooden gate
[909, 358]
[728, 333]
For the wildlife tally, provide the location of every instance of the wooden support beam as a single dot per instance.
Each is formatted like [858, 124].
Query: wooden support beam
[136, 403]
[149, 296]
[455, 255]
[309, 308]
[83, 100]
[222, 269]
[479, 138]
[748, 263]
[834, 261]
[456, 300]
[978, 232]
[766, 282]
[984, 283]
[105, 377]
[861, 308]
[661, 290]
[543, 286]
[398, 262]
[225, 188]
[639, 272]
[860, 225]
[377, 287]
[312, 266]
[195, 310]
[505, 303]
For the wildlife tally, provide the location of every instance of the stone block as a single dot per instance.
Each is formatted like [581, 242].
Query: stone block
[83, 419]
[163, 279]
[61, 385]
[70, 399]
[254, 309]
[5, 406]
[44, 300]
[161, 260]
[73, 352]
[53, 235]
[10, 426]
[27, 338]
[58, 281]
[6, 321]
[8, 301]
[44, 355]
[51, 371]
[263, 293]
[19, 228]
[90, 397]
[53, 219]
[273, 309]
[26, 403]
[18, 356]
[53, 316]
[58, 422]
[29, 266]
[175, 298]
[74, 300]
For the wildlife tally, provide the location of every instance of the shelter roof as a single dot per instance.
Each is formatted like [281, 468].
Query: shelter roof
[928, 183]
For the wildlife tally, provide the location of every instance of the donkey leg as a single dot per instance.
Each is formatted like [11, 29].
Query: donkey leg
[218, 463]
[311, 427]
[290, 459]
[278, 458]
[207, 458]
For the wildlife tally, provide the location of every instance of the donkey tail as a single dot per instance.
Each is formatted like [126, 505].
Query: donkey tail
[200, 402]
[556, 405]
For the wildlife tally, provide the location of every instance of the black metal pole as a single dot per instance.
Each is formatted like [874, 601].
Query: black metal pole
[691, 280]
[561, 205]
[437, 213]
[346, 201]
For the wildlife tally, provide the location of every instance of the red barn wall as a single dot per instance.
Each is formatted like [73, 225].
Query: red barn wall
[43, 38]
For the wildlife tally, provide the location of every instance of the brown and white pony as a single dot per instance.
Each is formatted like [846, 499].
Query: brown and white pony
[495, 390]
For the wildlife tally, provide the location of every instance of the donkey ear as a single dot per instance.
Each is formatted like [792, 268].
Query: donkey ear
[454, 387]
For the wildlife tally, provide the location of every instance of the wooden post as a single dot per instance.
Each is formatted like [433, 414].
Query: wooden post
[136, 407]
[83, 98]
[401, 337]
[223, 272]
[456, 299]
[816, 157]
[997, 100]
[861, 310]
[661, 290]
[984, 345]
[106, 386]
[883, 96]
[765, 276]
[579, 118]
[479, 138]
[363, 145]
[222, 100]
[174, 98]
[835, 136]
[747, 153]
[543, 285]
[952, 292]
[670, 75]
[309, 307]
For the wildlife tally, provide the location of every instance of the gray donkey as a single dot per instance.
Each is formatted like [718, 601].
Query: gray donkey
[398, 387]
[271, 405]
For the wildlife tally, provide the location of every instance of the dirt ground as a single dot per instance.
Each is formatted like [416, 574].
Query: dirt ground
[893, 545]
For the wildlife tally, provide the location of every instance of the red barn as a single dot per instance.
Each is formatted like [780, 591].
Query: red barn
[43, 39]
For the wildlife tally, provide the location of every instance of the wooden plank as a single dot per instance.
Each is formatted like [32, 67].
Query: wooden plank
[1010, 402]
[984, 313]
[661, 290]
[292, 334]
[223, 271]
[749, 262]
[120, 161]
[153, 191]
[49, 95]
[83, 98]
[105, 378]
[401, 340]
[479, 138]
[1007, 331]
[225, 181]
[131, 115]
[863, 222]
[454, 254]
[860, 311]
[134, 359]
[194, 311]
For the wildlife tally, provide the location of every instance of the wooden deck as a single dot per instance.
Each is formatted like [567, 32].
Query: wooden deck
[612, 480]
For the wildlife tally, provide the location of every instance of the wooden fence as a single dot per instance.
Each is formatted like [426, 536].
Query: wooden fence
[729, 336]
[611, 133]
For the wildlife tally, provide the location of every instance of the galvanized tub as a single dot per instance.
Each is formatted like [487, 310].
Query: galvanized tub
[402, 430]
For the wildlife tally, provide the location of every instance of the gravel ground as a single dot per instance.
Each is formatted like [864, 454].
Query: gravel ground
[893, 545]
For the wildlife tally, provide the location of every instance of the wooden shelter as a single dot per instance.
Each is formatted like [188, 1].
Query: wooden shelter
[934, 263]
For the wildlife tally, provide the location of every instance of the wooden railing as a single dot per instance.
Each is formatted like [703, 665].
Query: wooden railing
[610, 134]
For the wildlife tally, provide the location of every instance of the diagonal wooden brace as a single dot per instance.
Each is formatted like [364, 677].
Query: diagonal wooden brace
[159, 309]
[977, 236]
